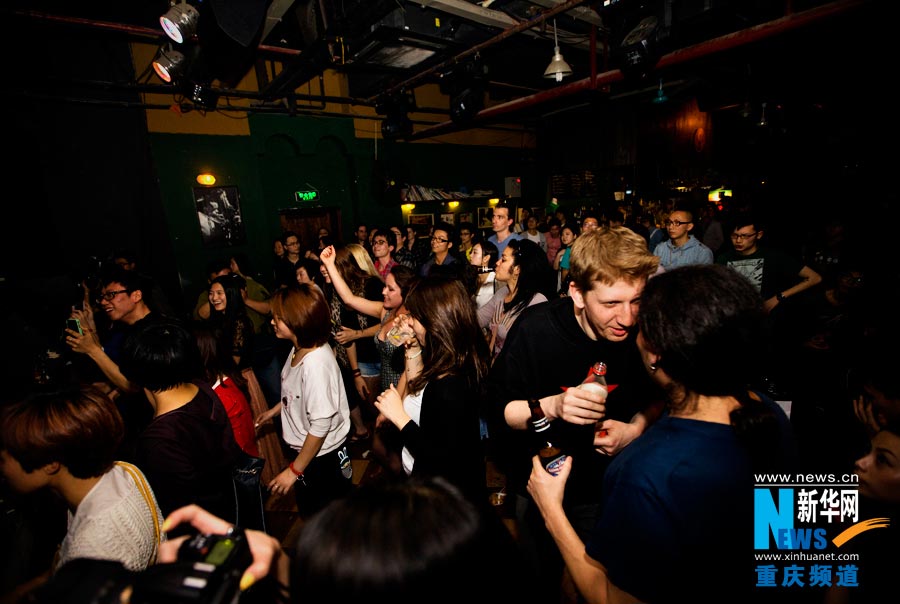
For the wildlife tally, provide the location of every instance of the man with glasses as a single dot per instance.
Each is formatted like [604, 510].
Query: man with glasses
[121, 300]
[466, 240]
[441, 243]
[682, 248]
[589, 223]
[382, 250]
[776, 275]
[286, 267]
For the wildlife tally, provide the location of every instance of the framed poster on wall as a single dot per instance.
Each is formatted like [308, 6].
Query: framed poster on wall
[465, 217]
[484, 218]
[448, 218]
[219, 214]
[421, 219]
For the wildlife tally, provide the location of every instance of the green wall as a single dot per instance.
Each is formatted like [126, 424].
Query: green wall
[286, 154]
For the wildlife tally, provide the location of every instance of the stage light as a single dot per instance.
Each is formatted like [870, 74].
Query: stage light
[168, 64]
[180, 21]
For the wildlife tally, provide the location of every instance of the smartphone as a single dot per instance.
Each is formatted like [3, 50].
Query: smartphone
[74, 325]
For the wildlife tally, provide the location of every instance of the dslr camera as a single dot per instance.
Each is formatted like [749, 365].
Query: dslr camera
[208, 571]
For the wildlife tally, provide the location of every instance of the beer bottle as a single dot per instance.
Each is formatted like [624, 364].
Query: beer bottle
[596, 378]
[550, 454]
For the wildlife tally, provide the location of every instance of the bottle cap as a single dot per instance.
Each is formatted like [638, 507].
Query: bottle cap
[599, 368]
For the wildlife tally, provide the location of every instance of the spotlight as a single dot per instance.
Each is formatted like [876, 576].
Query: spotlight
[466, 88]
[168, 64]
[466, 105]
[395, 108]
[396, 125]
[180, 21]
[639, 48]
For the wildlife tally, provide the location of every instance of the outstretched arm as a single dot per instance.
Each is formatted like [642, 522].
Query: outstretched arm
[589, 575]
[373, 308]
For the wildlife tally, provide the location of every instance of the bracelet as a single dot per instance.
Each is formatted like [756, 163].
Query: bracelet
[357, 373]
[299, 475]
[414, 356]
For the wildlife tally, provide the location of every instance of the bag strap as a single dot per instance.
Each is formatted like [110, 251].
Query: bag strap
[145, 491]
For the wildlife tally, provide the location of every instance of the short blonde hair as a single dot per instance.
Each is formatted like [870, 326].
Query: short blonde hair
[608, 255]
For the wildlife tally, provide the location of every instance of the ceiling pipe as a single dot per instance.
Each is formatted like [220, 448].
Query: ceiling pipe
[724, 43]
[506, 33]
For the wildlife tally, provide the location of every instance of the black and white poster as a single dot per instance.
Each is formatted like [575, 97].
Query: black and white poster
[219, 214]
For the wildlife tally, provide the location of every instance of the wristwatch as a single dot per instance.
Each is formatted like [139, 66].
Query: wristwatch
[780, 297]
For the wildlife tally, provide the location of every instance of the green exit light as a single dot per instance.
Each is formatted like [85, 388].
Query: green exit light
[307, 195]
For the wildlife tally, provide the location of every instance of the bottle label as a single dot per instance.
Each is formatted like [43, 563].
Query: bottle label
[541, 424]
[593, 387]
[554, 465]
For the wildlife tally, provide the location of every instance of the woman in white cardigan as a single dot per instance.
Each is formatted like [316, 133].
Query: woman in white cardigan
[67, 442]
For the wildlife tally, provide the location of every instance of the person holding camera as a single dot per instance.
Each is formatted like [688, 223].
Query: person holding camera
[430, 543]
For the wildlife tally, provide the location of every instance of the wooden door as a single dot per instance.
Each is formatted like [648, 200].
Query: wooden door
[306, 222]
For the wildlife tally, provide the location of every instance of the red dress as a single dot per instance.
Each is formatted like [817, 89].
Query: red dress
[239, 413]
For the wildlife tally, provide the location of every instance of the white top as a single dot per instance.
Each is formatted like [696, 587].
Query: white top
[539, 238]
[112, 522]
[314, 400]
[412, 404]
[486, 290]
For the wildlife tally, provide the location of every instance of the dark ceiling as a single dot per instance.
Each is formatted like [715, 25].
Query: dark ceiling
[726, 52]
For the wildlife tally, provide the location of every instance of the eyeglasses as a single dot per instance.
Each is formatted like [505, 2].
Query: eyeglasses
[379, 242]
[677, 223]
[464, 233]
[742, 236]
[439, 240]
[108, 296]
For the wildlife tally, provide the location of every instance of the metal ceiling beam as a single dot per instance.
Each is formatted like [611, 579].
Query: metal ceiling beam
[582, 13]
[490, 17]
[724, 43]
[518, 28]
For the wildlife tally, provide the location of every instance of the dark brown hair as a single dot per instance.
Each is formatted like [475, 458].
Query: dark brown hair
[455, 344]
[81, 429]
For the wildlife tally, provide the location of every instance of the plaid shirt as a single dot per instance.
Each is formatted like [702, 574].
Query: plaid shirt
[384, 272]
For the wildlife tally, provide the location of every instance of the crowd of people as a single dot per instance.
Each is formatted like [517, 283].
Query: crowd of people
[436, 350]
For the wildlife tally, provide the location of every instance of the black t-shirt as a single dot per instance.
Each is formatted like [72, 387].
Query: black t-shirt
[187, 455]
[545, 352]
[286, 271]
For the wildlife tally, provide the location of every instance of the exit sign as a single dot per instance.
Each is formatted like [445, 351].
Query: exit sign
[307, 195]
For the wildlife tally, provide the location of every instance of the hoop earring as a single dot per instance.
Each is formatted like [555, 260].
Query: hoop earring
[653, 368]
